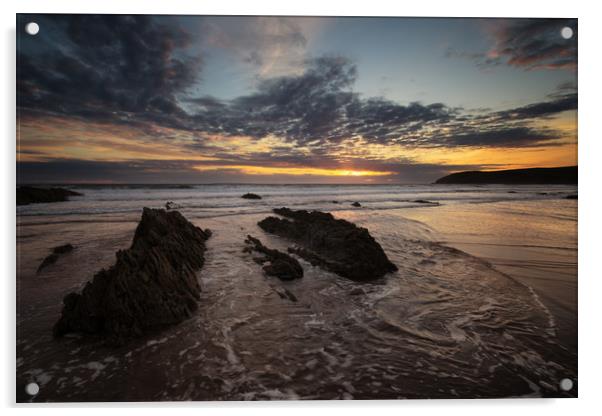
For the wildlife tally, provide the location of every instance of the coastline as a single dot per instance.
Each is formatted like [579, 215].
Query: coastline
[438, 303]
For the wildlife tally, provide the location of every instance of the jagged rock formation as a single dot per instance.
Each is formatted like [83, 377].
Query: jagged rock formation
[275, 263]
[333, 244]
[29, 195]
[54, 256]
[152, 284]
[250, 196]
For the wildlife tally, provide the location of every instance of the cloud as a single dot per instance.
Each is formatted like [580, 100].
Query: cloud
[133, 72]
[512, 136]
[550, 108]
[536, 44]
[529, 44]
[273, 46]
[107, 67]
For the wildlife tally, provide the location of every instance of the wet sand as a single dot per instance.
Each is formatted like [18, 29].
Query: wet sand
[446, 325]
[509, 236]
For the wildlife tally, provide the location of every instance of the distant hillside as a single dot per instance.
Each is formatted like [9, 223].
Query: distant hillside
[565, 176]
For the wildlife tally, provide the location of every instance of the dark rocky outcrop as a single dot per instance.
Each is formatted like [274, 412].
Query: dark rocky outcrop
[29, 195]
[275, 263]
[152, 284]
[424, 201]
[563, 175]
[570, 197]
[54, 256]
[356, 204]
[250, 195]
[333, 244]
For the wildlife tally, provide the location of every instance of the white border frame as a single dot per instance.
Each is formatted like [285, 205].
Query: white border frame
[590, 286]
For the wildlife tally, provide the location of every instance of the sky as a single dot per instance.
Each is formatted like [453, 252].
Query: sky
[248, 99]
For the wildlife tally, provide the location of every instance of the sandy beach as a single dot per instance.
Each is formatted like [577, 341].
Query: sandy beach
[483, 303]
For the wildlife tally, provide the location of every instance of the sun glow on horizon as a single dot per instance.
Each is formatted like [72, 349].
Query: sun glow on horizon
[294, 171]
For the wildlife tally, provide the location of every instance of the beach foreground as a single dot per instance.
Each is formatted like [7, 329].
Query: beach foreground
[483, 303]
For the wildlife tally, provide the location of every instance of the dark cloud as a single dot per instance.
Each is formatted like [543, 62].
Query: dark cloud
[537, 44]
[131, 70]
[106, 67]
[540, 110]
[85, 171]
[518, 136]
[303, 108]
[527, 43]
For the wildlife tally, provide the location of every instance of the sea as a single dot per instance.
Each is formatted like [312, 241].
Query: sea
[484, 303]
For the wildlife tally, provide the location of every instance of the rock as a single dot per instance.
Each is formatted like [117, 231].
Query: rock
[250, 196]
[171, 205]
[335, 201]
[571, 196]
[152, 284]
[284, 293]
[333, 244]
[65, 248]
[424, 201]
[356, 204]
[54, 256]
[279, 264]
[29, 195]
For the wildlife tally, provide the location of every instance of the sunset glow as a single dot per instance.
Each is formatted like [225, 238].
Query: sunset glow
[260, 170]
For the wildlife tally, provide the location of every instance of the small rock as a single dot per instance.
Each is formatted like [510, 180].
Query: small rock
[171, 205]
[54, 256]
[30, 195]
[284, 293]
[571, 196]
[275, 263]
[65, 248]
[356, 204]
[250, 196]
